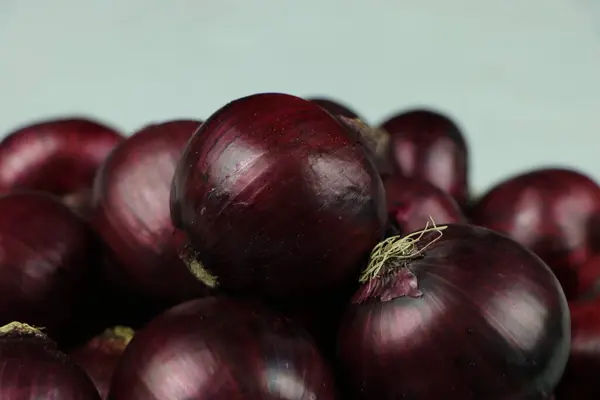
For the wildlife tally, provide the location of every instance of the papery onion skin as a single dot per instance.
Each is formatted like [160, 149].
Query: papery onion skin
[59, 156]
[475, 316]
[278, 198]
[32, 367]
[46, 261]
[131, 214]
[580, 380]
[334, 107]
[553, 211]
[221, 349]
[100, 355]
[428, 145]
[412, 203]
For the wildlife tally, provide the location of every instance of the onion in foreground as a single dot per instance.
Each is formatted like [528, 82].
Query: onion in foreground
[31, 367]
[277, 199]
[100, 355]
[455, 311]
[221, 349]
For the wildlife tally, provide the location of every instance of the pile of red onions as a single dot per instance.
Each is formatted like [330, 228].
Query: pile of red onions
[59, 156]
[32, 367]
[221, 349]
[277, 199]
[455, 311]
[131, 214]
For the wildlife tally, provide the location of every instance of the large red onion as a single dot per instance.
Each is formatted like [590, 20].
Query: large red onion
[412, 203]
[100, 355]
[131, 214]
[334, 107]
[59, 156]
[46, 255]
[277, 198]
[221, 349]
[554, 212]
[580, 381]
[430, 146]
[31, 367]
[455, 311]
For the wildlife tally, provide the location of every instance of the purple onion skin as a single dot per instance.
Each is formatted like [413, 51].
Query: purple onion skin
[412, 203]
[221, 349]
[427, 145]
[31, 368]
[476, 316]
[58, 156]
[580, 380]
[333, 107]
[131, 214]
[555, 212]
[278, 198]
[46, 261]
[99, 357]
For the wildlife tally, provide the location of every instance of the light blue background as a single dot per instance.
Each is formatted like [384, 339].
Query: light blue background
[521, 77]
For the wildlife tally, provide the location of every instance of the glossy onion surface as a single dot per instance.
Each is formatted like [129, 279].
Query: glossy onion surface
[57, 156]
[278, 198]
[46, 255]
[554, 212]
[221, 349]
[412, 203]
[428, 145]
[470, 315]
[100, 355]
[131, 213]
[32, 368]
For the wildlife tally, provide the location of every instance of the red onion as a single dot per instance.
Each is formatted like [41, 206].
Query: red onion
[31, 367]
[554, 212]
[221, 349]
[131, 213]
[588, 279]
[412, 203]
[428, 145]
[580, 381]
[334, 107]
[455, 311]
[58, 156]
[99, 356]
[277, 198]
[46, 255]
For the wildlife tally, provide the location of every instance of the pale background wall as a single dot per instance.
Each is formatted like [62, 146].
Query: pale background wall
[522, 77]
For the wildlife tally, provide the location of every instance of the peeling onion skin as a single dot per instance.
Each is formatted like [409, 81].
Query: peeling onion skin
[412, 203]
[490, 322]
[221, 349]
[59, 156]
[428, 145]
[553, 211]
[333, 107]
[131, 214]
[46, 261]
[32, 367]
[278, 198]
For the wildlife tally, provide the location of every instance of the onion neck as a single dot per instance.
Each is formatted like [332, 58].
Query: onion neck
[16, 328]
[190, 258]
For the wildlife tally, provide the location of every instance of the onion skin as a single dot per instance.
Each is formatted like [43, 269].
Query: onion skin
[131, 214]
[580, 381]
[474, 316]
[555, 212]
[37, 156]
[46, 255]
[277, 198]
[412, 203]
[100, 355]
[430, 146]
[333, 107]
[31, 367]
[221, 349]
